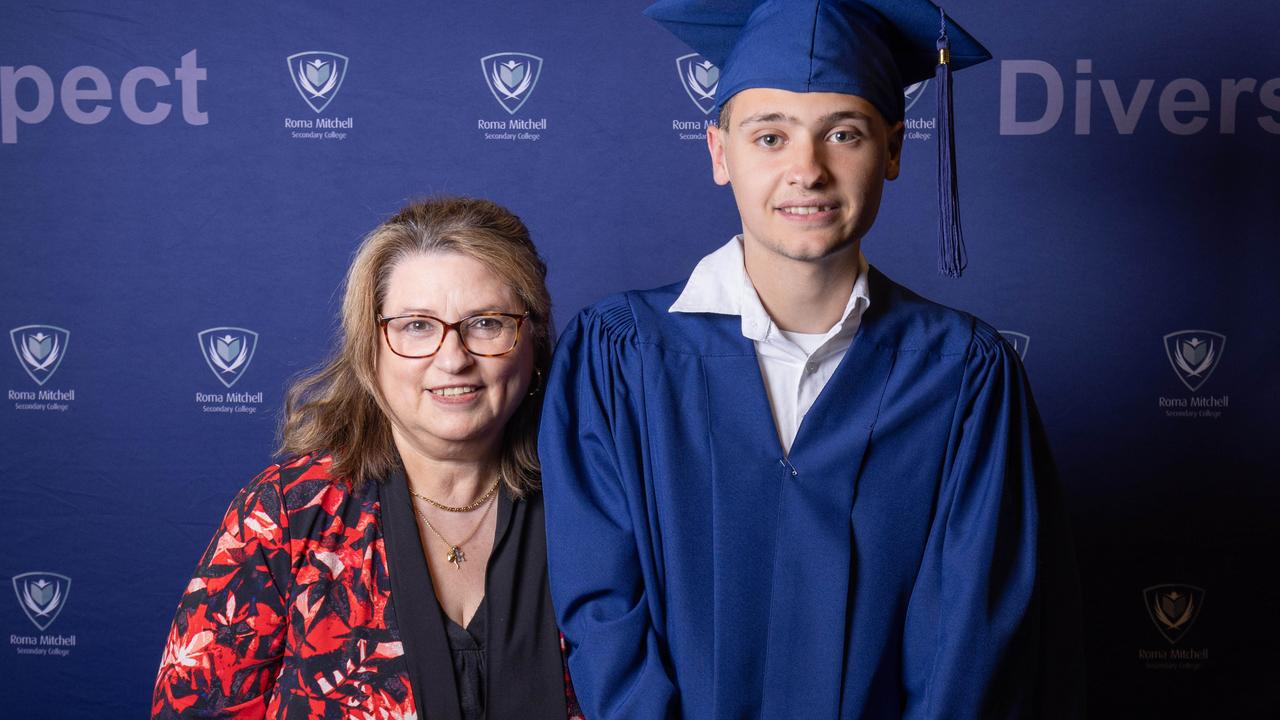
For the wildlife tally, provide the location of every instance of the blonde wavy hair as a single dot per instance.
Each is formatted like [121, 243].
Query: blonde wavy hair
[339, 407]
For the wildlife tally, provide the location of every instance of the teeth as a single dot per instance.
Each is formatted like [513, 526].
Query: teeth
[806, 210]
[451, 391]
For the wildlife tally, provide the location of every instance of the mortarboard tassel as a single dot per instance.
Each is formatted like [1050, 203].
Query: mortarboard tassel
[952, 258]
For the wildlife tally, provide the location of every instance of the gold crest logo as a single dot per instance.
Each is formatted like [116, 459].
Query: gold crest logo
[1173, 608]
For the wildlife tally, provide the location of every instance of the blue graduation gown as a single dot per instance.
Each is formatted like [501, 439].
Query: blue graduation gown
[908, 558]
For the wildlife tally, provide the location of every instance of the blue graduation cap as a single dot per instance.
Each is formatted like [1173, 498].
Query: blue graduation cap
[869, 48]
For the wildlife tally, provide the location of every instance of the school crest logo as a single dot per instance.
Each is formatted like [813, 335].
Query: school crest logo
[913, 93]
[318, 75]
[1173, 608]
[511, 77]
[228, 351]
[40, 349]
[700, 80]
[42, 595]
[1019, 341]
[1194, 354]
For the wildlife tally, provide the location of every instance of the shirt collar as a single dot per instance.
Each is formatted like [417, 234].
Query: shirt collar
[719, 284]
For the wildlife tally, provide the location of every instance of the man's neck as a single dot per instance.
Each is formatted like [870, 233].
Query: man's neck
[807, 296]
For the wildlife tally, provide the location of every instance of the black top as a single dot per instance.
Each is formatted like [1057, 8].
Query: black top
[521, 671]
[466, 645]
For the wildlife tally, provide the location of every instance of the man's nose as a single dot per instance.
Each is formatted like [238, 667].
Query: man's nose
[808, 164]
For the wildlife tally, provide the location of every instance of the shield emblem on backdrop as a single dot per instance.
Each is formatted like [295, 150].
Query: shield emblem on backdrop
[40, 349]
[1194, 354]
[42, 595]
[913, 93]
[700, 80]
[228, 351]
[318, 75]
[1173, 608]
[511, 77]
[1019, 341]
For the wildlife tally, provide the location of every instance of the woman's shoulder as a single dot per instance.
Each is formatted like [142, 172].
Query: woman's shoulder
[303, 481]
[309, 467]
[312, 466]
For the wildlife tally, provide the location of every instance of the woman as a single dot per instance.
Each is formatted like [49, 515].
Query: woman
[395, 565]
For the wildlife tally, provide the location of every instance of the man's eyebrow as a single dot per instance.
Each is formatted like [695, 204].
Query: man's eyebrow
[777, 117]
[845, 115]
[768, 117]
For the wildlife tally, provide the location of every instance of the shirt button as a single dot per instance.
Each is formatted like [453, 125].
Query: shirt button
[811, 367]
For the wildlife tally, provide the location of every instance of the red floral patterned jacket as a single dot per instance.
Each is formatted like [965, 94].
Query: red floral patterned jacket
[289, 612]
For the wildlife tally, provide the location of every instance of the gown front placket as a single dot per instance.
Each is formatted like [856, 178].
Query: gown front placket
[782, 535]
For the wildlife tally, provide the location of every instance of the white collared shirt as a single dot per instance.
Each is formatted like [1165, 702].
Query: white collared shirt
[795, 366]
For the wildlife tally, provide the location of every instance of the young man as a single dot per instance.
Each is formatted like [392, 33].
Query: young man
[788, 487]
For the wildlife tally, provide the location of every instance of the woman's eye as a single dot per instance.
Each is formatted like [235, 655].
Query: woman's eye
[486, 323]
[418, 327]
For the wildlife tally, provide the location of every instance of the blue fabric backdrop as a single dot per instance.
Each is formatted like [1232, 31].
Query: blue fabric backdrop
[164, 172]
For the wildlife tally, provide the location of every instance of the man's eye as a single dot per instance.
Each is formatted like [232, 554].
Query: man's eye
[769, 140]
[843, 136]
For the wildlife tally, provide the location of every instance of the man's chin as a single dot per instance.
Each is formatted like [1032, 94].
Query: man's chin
[811, 249]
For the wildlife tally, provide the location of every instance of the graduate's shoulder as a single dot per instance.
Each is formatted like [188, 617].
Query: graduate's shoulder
[642, 317]
[626, 316]
[915, 323]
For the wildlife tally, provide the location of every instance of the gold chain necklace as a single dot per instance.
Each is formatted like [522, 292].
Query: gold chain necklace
[455, 554]
[463, 508]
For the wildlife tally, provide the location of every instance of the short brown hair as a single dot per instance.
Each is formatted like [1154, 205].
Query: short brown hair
[722, 120]
[339, 407]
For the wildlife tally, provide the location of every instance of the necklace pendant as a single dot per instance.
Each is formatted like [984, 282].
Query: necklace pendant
[455, 556]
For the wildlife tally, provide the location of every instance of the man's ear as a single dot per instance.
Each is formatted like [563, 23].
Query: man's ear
[894, 165]
[715, 147]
